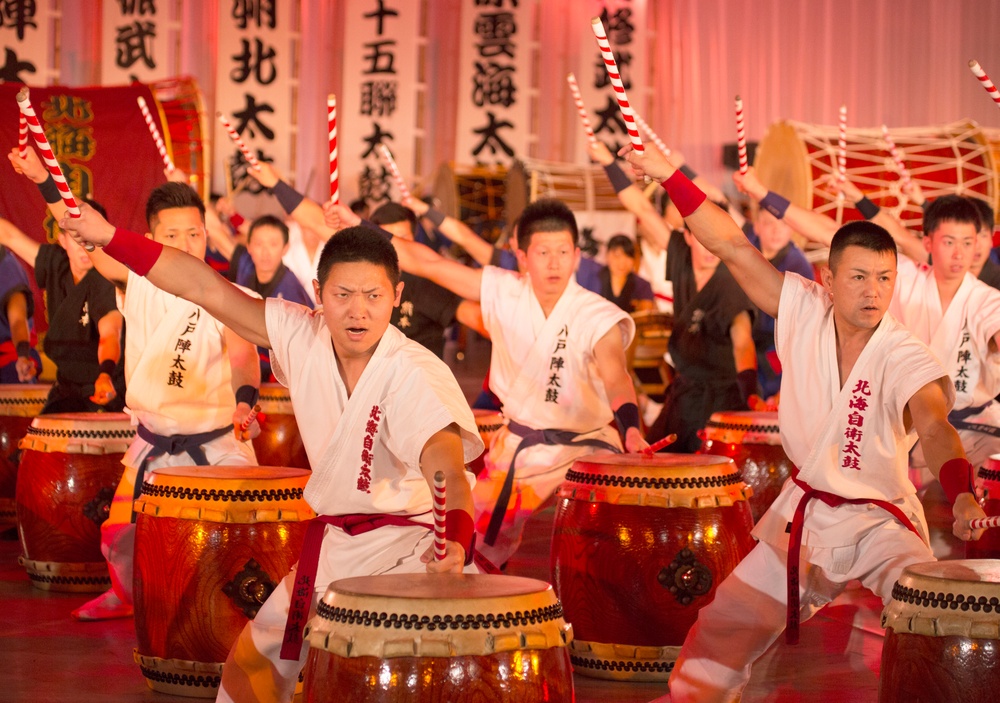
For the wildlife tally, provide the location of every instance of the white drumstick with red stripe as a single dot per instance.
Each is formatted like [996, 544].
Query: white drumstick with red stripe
[984, 522]
[331, 118]
[234, 135]
[664, 149]
[842, 148]
[22, 135]
[251, 416]
[897, 156]
[581, 108]
[985, 81]
[741, 136]
[404, 192]
[440, 546]
[616, 82]
[155, 133]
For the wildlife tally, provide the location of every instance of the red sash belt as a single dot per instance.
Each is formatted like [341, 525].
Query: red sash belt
[795, 542]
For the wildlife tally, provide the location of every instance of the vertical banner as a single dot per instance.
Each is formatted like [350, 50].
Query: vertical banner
[625, 23]
[26, 34]
[495, 95]
[381, 73]
[256, 87]
[139, 41]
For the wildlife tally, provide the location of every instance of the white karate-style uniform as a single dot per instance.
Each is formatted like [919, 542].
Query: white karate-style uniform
[299, 262]
[824, 428]
[179, 382]
[960, 337]
[544, 372]
[365, 456]
[653, 267]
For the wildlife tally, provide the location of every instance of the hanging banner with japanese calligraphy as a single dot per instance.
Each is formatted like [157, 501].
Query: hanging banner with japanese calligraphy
[495, 95]
[625, 24]
[256, 87]
[26, 33]
[381, 75]
[598, 226]
[102, 143]
[138, 41]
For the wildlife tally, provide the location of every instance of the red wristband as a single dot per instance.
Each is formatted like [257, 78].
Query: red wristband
[236, 220]
[133, 250]
[458, 527]
[684, 194]
[956, 477]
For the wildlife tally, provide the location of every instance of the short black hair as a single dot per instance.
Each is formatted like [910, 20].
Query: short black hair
[169, 196]
[987, 219]
[950, 208]
[546, 215]
[358, 244]
[860, 233]
[359, 206]
[391, 213]
[97, 206]
[268, 221]
[621, 241]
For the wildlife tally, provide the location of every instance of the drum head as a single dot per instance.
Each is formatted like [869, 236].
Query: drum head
[942, 598]
[743, 427]
[23, 399]
[80, 433]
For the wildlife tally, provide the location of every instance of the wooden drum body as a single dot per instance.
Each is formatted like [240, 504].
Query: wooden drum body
[752, 441]
[988, 546]
[212, 542]
[19, 404]
[942, 638]
[70, 467]
[279, 442]
[639, 545]
[439, 637]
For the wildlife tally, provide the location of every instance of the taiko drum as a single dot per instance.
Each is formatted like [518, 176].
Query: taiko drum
[489, 423]
[942, 639]
[752, 441]
[438, 637]
[279, 442]
[639, 545]
[988, 546]
[70, 467]
[19, 404]
[212, 542]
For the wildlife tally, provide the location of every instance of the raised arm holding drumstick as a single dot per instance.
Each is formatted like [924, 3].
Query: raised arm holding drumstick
[855, 384]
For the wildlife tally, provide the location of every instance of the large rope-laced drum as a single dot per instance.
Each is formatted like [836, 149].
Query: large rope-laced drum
[19, 404]
[797, 159]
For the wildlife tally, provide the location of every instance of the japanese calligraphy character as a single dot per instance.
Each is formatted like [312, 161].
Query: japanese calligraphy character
[366, 457]
[12, 67]
[962, 372]
[858, 402]
[19, 14]
[862, 387]
[375, 138]
[619, 24]
[79, 178]
[247, 119]
[856, 419]
[554, 381]
[851, 462]
[376, 413]
[493, 84]
[258, 61]
[964, 355]
[495, 31]
[852, 448]
[491, 136]
[960, 386]
[557, 363]
[551, 395]
[381, 61]
[406, 308]
[260, 11]
[140, 7]
[560, 345]
[404, 322]
[588, 245]
[371, 427]
[379, 14]
[238, 168]
[611, 119]
[66, 107]
[178, 363]
[965, 336]
[369, 442]
[624, 60]
[85, 314]
[378, 98]
[183, 345]
[853, 433]
[176, 378]
[71, 141]
[373, 184]
[135, 42]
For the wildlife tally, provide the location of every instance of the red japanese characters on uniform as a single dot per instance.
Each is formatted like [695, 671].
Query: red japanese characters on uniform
[851, 451]
[367, 449]
[556, 364]
[175, 376]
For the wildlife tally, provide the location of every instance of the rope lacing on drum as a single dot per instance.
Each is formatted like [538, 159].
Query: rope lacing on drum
[491, 428]
[40, 402]
[82, 434]
[945, 601]
[175, 679]
[741, 426]
[657, 667]
[476, 621]
[989, 474]
[227, 495]
[651, 482]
